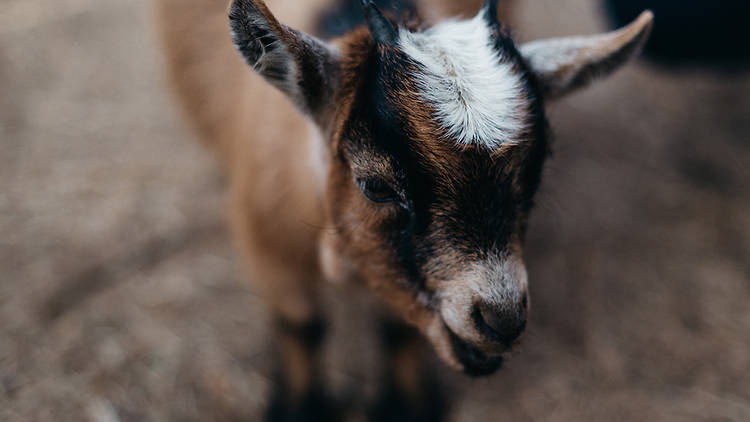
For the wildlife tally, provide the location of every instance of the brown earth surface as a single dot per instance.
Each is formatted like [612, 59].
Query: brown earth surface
[121, 297]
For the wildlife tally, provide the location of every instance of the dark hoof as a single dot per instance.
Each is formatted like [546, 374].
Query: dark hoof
[314, 407]
[393, 406]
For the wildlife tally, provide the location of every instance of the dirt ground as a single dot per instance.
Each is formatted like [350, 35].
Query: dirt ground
[121, 298]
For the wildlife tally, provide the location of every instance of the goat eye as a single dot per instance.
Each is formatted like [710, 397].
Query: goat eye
[377, 190]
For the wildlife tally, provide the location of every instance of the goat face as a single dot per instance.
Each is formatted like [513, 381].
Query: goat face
[433, 221]
[436, 142]
[438, 232]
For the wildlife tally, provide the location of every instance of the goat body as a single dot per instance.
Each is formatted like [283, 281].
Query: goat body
[403, 157]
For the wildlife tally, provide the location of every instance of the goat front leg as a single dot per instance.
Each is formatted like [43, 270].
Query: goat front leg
[299, 393]
[409, 391]
[298, 331]
[283, 274]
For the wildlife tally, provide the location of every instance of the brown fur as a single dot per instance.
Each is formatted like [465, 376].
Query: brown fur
[251, 124]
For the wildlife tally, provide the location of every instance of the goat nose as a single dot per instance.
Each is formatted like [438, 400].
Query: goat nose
[505, 323]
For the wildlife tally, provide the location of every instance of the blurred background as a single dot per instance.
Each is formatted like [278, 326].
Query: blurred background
[121, 298]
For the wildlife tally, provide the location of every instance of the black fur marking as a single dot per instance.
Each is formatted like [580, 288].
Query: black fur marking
[348, 14]
[393, 405]
[395, 335]
[388, 134]
[315, 406]
[310, 334]
[540, 133]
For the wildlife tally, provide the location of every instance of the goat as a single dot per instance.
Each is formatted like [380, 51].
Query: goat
[400, 157]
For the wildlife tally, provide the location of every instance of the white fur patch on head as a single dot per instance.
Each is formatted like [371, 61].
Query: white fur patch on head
[478, 98]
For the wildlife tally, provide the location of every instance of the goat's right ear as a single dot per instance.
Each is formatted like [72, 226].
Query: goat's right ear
[562, 65]
[303, 67]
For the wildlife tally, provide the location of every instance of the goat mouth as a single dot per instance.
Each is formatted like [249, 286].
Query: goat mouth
[475, 362]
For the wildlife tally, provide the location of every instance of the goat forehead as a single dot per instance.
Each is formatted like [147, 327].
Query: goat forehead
[478, 219]
[468, 199]
[477, 94]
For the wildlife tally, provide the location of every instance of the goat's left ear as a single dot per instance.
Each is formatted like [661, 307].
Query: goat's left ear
[562, 65]
[301, 66]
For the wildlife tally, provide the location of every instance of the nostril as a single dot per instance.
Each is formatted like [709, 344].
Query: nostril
[501, 324]
[525, 301]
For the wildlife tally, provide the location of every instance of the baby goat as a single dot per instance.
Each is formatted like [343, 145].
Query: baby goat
[402, 157]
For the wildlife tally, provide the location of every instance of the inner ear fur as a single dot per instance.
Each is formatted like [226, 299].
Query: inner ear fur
[562, 65]
[303, 67]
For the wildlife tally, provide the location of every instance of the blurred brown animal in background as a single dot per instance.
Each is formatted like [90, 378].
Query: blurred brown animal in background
[402, 157]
